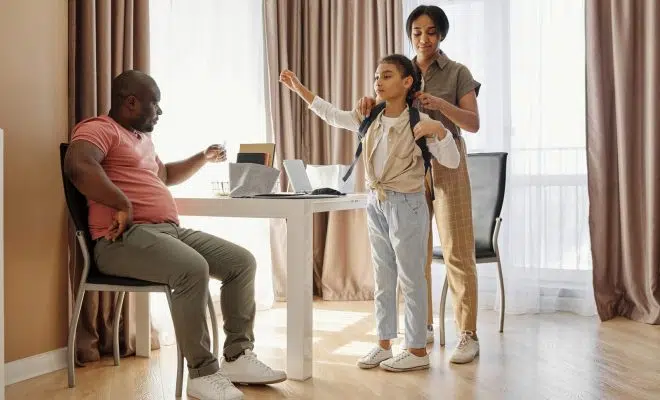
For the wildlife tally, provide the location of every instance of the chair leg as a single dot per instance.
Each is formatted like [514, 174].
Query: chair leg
[73, 325]
[443, 304]
[179, 358]
[214, 328]
[502, 297]
[115, 326]
[496, 247]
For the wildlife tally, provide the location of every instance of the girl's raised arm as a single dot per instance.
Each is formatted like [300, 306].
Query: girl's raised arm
[329, 113]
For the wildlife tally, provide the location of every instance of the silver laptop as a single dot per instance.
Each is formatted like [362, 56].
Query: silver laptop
[302, 187]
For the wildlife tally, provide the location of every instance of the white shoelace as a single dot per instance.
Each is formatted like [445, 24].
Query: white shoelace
[401, 356]
[374, 352]
[465, 338]
[252, 358]
[218, 381]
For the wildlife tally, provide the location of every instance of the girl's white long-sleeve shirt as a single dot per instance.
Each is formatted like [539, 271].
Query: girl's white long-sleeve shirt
[445, 150]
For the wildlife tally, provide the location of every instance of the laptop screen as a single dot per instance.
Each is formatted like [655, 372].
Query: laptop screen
[295, 170]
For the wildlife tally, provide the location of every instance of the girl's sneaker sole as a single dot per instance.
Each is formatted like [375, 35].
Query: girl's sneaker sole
[367, 366]
[420, 367]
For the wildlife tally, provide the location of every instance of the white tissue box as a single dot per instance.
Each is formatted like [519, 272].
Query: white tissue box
[330, 176]
[246, 180]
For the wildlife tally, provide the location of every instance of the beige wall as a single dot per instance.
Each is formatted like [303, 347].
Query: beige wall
[33, 113]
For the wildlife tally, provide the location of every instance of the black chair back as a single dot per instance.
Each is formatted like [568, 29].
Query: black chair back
[77, 204]
[488, 181]
[75, 201]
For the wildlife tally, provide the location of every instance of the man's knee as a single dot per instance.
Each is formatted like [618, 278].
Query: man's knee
[242, 264]
[229, 261]
[247, 262]
[193, 270]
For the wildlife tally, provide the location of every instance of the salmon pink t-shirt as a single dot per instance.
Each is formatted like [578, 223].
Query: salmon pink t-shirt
[131, 164]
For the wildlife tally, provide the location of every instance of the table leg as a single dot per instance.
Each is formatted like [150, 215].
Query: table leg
[142, 325]
[299, 295]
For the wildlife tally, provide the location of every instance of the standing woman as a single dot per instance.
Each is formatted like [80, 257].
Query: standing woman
[449, 94]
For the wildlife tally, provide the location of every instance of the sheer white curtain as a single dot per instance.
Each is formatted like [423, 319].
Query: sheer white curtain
[529, 56]
[207, 57]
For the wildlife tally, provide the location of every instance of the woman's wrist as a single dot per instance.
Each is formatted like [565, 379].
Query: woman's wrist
[442, 104]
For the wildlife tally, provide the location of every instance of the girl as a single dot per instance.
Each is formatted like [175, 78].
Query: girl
[396, 207]
[449, 95]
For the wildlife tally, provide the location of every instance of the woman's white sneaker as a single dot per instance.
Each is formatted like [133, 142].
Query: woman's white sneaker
[213, 387]
[405, 361]
[373, 358]
[466, 349]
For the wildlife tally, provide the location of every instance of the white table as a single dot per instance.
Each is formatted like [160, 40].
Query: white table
[298, 214]
[2, 270]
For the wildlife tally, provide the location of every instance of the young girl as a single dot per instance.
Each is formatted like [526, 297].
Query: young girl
[396, 207]
[450, 95]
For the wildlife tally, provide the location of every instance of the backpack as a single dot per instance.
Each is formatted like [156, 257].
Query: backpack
[421, 142]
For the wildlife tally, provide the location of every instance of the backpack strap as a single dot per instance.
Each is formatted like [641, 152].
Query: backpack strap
[421, 143]
[414, 120]
[362, 132]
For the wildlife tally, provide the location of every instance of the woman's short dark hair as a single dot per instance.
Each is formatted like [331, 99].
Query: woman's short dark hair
[405, 67]
[436, 14]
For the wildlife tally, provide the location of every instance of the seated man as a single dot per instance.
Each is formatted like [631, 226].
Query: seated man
[134, 222]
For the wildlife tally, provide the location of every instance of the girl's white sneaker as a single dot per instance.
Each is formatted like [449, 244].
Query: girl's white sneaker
[405, 361]
[374, 357]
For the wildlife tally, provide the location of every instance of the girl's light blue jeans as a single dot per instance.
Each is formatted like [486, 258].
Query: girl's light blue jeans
[398, 232]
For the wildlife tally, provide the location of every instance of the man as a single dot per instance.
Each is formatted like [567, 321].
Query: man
[134, 222]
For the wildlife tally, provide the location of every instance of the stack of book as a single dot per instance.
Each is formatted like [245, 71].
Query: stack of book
[256, 153]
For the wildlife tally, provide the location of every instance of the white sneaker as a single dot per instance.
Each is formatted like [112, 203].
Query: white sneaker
[466, 349]
[429, 334]
[373, 358]
[405, 361]
[247, 369]
[213, 387]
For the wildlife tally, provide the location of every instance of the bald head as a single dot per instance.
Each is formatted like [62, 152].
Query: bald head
[135, 97]
[130, 83]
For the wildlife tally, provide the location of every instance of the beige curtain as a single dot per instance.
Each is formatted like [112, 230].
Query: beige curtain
[623, 147]
[106, 37]
[333, 46]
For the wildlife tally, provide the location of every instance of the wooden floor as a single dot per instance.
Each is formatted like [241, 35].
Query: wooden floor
[550, 356]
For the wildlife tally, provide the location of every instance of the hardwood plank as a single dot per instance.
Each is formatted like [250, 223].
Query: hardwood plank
[545, 356]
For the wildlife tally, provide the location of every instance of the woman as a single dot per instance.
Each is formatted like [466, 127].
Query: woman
[448, 94]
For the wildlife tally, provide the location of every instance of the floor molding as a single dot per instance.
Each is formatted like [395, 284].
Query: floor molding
[30, 367]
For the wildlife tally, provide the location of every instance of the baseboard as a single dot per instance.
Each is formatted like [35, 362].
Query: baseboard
[30, 367]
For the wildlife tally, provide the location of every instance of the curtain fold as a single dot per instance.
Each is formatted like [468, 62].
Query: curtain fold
[106, 37]
[333, 46]
[623, 148]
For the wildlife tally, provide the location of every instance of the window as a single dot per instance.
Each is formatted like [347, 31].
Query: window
[207, 57]
[529, 56]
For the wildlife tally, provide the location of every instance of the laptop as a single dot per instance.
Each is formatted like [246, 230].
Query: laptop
[302, 187]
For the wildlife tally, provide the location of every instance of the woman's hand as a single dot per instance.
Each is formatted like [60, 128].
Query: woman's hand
[430, 102]
[365, 105]
[290, 80]
[430, 128]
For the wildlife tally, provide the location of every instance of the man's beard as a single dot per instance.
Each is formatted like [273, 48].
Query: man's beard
[145, 125]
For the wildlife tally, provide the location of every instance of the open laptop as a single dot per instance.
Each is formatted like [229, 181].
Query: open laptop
[302, 187]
